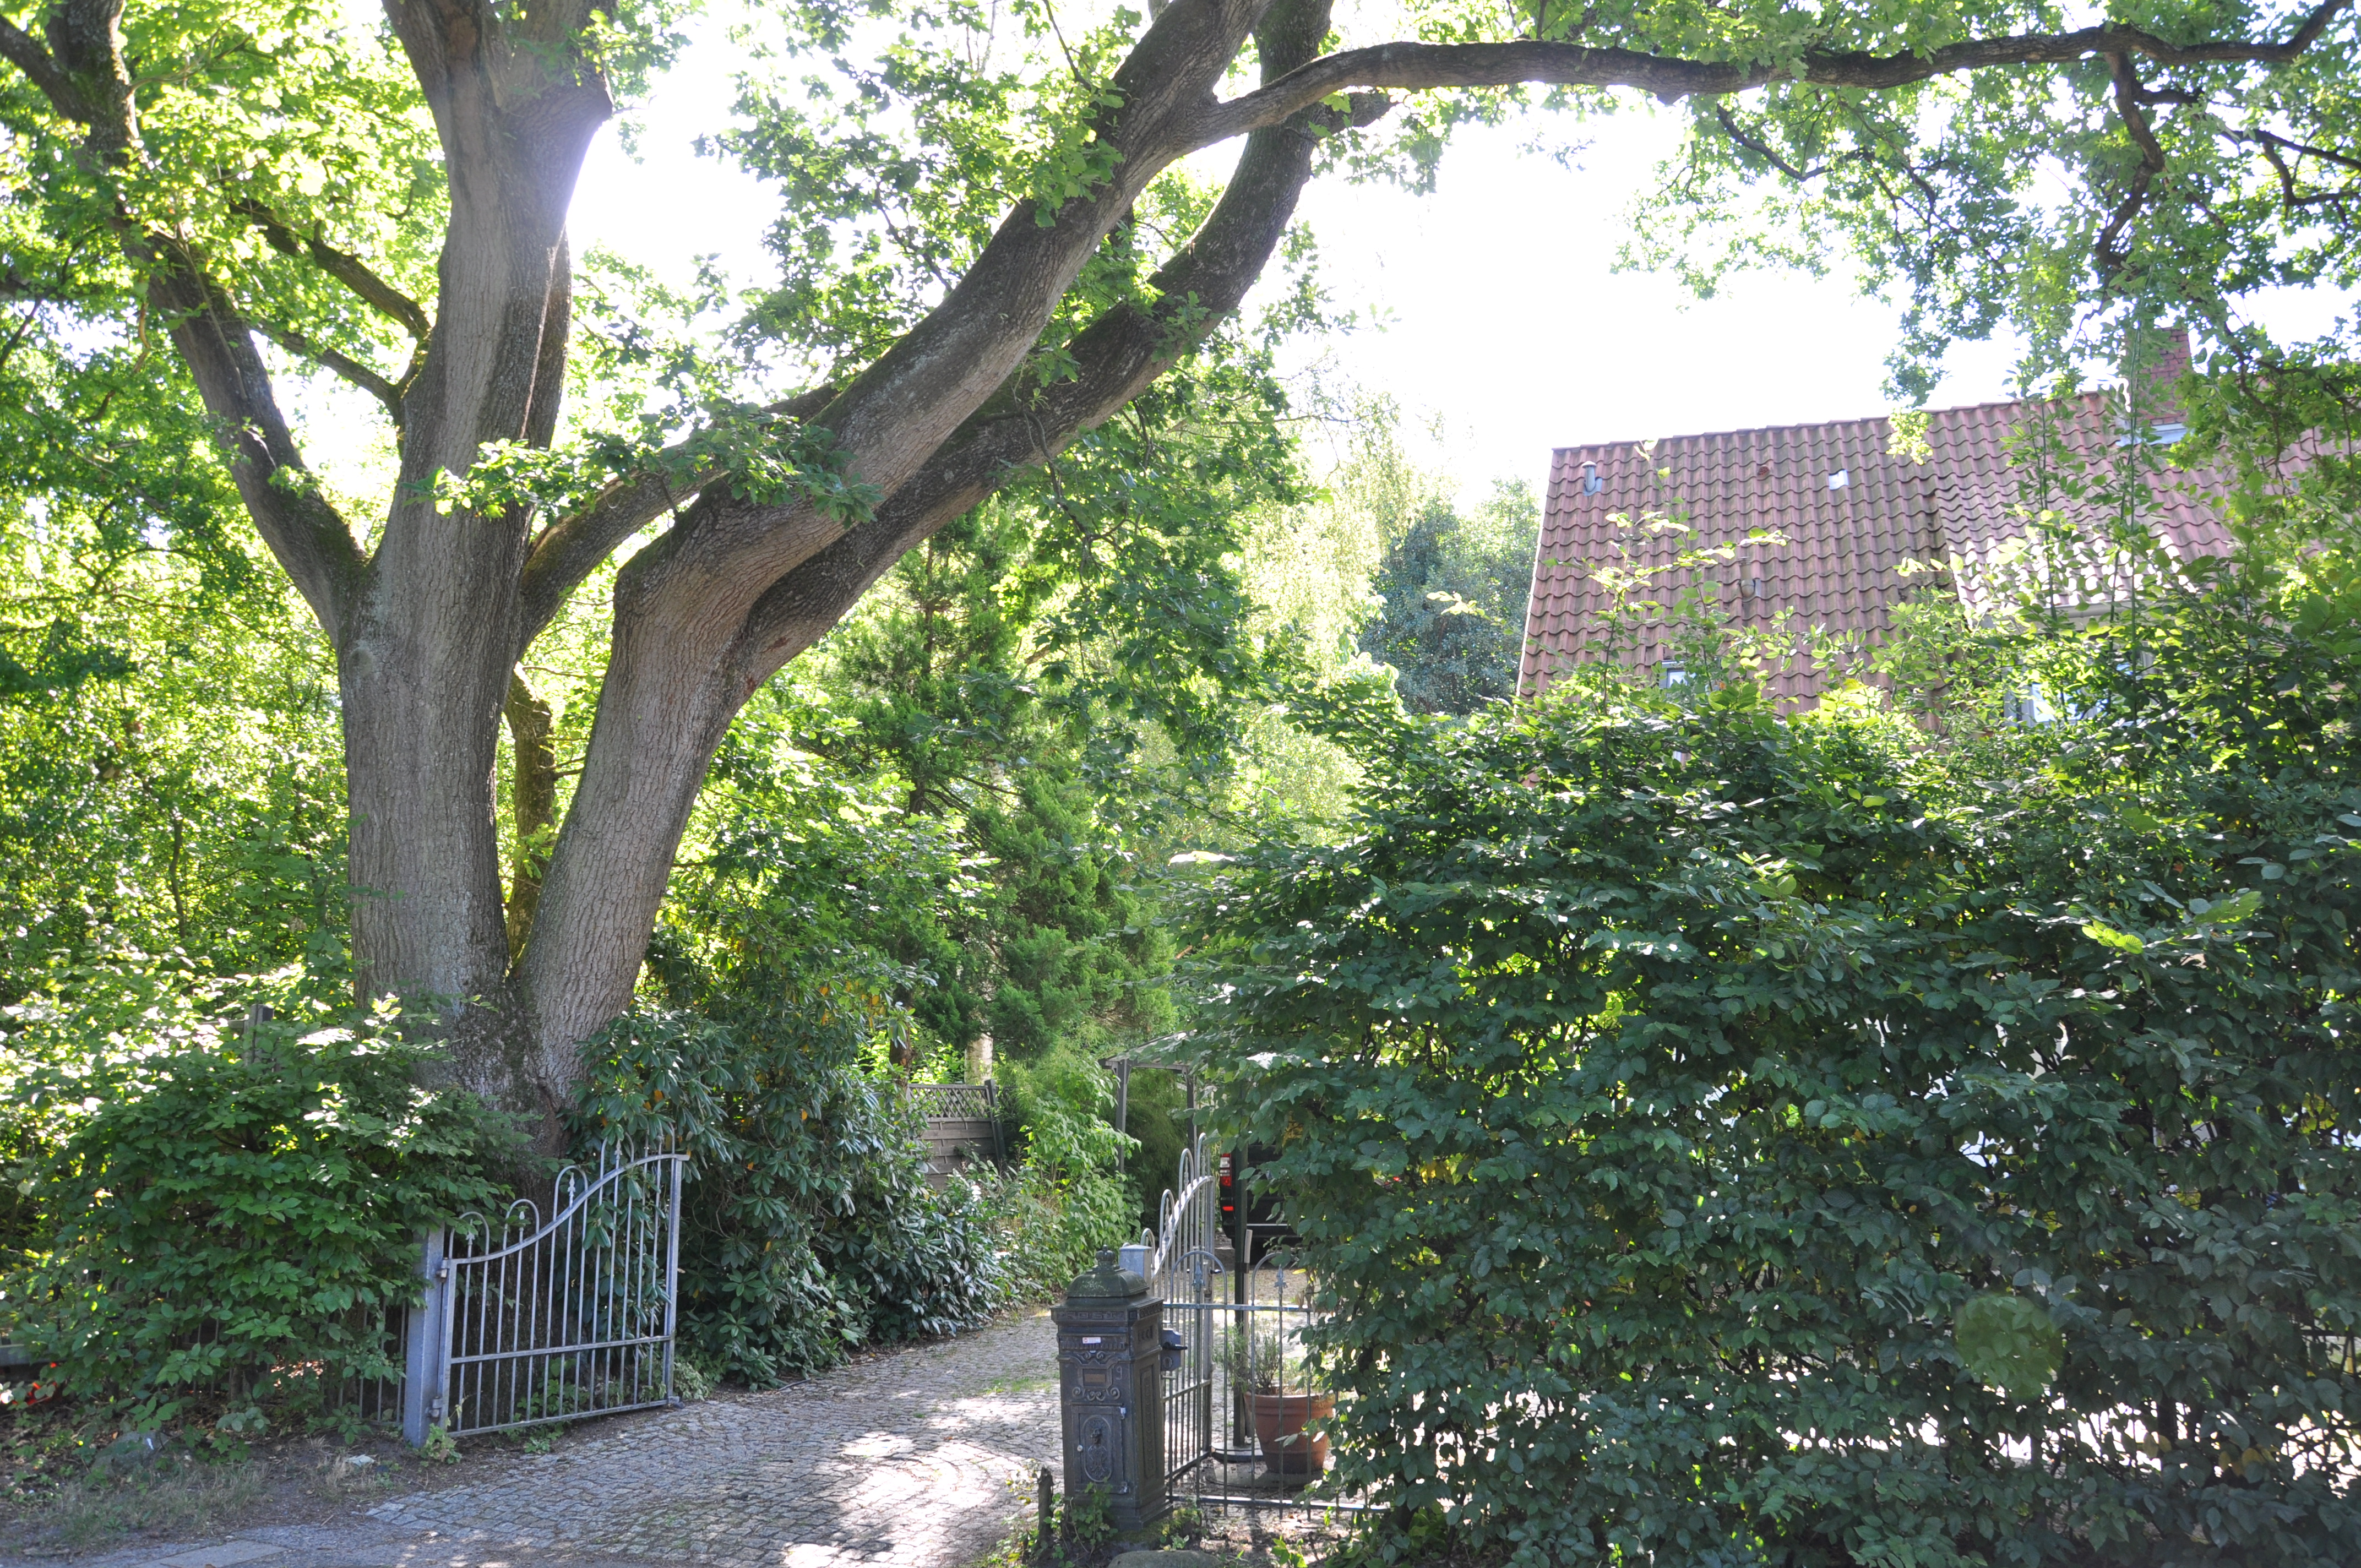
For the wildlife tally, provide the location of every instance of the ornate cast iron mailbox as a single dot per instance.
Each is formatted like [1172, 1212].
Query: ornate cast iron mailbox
[1110, 1392]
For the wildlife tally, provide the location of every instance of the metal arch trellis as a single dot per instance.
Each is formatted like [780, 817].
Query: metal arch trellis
[526, 1322]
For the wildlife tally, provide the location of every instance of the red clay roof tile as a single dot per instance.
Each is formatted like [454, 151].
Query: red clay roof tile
[1838, 556]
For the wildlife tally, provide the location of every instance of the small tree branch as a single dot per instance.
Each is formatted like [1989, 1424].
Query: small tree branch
[2112, 250]
[532, 794]
[1418, 67]
[345, 268]
[344, 364]
[1763, 149]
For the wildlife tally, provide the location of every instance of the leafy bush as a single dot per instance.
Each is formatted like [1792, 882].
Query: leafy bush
[223, 1208]
[808, 1226]
[1658, 1083]
[808, 1229]
[1068, 1198]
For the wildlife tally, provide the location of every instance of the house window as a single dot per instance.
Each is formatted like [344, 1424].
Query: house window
[1674, 676]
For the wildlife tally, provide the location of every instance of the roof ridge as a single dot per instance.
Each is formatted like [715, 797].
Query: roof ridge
[1556, 452]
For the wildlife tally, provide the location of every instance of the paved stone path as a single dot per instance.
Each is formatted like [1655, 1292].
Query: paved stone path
[911, 1460]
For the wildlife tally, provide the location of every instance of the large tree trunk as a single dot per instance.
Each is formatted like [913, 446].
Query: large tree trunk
[427, 648]
[691, 646]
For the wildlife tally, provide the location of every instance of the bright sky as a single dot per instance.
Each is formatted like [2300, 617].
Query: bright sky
[1500, 310]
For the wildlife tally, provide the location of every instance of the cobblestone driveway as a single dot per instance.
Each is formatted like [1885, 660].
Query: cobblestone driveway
[900, 1461]
[903, 1461]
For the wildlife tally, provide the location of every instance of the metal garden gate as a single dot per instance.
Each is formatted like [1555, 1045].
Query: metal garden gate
[1241, 1325]
[526, 1322]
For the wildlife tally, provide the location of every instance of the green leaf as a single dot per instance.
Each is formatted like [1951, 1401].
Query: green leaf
[2008, 1342]
[2108, 937]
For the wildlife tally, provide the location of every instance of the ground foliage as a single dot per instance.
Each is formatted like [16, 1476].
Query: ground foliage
[157, 1128]
[1657, 1080]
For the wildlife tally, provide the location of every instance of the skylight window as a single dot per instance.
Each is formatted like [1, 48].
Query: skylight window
[1840, 478]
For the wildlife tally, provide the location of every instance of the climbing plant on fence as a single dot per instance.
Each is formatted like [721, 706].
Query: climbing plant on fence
[1735, 1139]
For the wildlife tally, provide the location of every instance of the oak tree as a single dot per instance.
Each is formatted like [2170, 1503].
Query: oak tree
[985, 252]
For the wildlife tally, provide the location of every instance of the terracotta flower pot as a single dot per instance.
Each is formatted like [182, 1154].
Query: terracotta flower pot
[1287, 1448]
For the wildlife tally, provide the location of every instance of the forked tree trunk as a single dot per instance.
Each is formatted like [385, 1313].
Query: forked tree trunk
[429, 626]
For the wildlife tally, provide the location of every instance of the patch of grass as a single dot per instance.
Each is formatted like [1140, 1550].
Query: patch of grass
[170, 1496]
[1023, 1385]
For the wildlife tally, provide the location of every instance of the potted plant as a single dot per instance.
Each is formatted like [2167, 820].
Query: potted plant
[1270, 1369]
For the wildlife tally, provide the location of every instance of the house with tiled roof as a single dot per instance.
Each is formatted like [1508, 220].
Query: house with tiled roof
[1829, 527]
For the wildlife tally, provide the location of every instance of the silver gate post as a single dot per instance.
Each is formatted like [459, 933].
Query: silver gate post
[421, 1382]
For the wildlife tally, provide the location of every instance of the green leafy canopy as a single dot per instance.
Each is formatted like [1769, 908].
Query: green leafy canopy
[1743, 1139]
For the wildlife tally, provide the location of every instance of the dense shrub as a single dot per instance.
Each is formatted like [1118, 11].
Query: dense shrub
[1658, 1083]
[220, 1208]
[808, 1228]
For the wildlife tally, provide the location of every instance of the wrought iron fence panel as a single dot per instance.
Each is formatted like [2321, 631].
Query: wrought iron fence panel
[527, 1323]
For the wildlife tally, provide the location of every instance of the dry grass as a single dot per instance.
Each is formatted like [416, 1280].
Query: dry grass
[169, 1496]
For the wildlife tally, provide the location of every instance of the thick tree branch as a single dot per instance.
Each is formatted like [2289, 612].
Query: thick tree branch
[1114, 361]
[570, 549]
[312, 541]
[1418, 67]
[86, 45]
[345, 268]
[25, 52]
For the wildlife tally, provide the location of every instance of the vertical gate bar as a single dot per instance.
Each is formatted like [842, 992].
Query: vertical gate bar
[448, 1412]
[616, 1320]
[632, 1327]
[622, 1326]
[562, 1307]
[672, 1270]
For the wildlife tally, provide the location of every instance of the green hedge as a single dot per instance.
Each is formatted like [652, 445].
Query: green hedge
[1658, 1083]
[808, 1229]
[222, 1211]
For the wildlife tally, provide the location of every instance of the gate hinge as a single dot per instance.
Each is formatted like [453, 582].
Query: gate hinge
[434, 1408]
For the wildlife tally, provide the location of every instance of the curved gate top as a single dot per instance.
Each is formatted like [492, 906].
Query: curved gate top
[526, 1322]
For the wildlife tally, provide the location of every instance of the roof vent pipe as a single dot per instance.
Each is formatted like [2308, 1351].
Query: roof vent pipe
[1591, 483]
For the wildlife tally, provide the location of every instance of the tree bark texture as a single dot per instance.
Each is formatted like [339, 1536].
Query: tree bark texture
[429, 626]
[533, 795]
